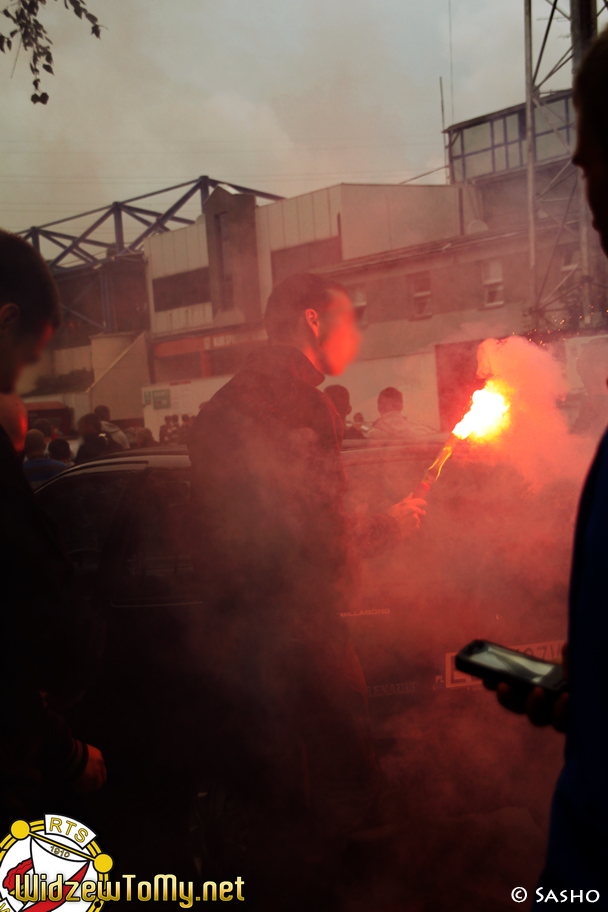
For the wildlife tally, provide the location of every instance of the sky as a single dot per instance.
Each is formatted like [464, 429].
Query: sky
[282, 96]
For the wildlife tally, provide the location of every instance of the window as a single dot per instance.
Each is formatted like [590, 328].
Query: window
[494, 294]
[420, 285]
[83, 506]
[157, 565]
[181, 290]
[499, 143]
[224, 252]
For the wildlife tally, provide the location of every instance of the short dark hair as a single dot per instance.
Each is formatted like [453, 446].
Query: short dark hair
[102, 412]
[292, 297]
[340, 397]
[27, 281]
[590, 88]
[60, 449]
[91, 421]
[44, 425]
[34, 442]
[391, 396]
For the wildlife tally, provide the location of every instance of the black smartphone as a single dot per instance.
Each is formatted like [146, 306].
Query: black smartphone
[496, 663]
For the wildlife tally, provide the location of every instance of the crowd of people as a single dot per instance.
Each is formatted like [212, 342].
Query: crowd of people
[45, 452]
[272, 549]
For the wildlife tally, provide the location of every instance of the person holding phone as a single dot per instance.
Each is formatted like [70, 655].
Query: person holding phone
[578, 841]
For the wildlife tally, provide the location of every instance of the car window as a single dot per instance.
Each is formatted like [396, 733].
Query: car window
[83, 506]
[157, 564]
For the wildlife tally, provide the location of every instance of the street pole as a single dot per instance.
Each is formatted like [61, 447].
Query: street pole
[530, 155]
[583, 29]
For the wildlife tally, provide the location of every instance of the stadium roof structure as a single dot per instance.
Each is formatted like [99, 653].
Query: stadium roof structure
[84, 247]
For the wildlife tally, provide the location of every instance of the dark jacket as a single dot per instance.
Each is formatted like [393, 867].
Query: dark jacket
[45, 648]
[268, 490]
[578, 840]
[272, 544]
[96, 446]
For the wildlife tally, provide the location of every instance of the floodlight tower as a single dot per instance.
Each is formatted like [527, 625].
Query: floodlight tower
[583, 28]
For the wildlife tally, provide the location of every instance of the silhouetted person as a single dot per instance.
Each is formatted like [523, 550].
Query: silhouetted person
[392, 423]
[60, 450]
[46, 645]
[38, 467]
[184, 431]
[340, 397]
[13, 418]
[271, 544]
[109, 429]
[45, 426]
[578, 839]
[95, 443]
[144, 438]
[169, 432]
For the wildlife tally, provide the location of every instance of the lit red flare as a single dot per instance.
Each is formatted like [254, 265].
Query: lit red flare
[487, 417]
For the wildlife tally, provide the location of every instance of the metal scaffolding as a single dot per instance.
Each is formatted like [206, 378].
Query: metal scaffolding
[583, 28]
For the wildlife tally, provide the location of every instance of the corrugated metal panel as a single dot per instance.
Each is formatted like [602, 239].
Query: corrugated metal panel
[306, 220]
[335, 208]
[168, 254]
[290, 222]
[180, 247]
[264, 261]
[275, 226]
[320, 203]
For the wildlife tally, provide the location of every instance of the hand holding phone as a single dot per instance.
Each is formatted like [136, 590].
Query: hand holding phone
[523, 683]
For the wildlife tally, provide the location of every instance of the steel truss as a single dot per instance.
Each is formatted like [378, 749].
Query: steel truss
[88, 249]
[575, 220]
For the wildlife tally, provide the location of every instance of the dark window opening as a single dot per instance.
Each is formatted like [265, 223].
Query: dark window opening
[181, 290]
[420, 285]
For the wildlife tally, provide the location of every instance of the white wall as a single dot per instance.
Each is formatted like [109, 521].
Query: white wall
[185, 397]
[177, 251]
[70, 359]
[387, 217]
[415, 375]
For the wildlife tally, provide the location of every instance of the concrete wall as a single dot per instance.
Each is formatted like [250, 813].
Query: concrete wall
[184, 397]
[415, 375]
[379, 218]
[170, 254]
[106, 348]
[120, 386]
[66, 360]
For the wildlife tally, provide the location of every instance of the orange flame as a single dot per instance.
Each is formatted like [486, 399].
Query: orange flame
[487, 415]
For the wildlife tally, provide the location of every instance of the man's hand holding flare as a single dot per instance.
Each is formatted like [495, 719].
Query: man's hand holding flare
[408, 513]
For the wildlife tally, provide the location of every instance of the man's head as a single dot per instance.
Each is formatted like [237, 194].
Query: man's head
[591, 153]
[34, 444]
[102, 412]
[13, 418]
[59, 449]
[89, 425]
[29, 307]
[340, 397]
[175, 419]
[317, 316]
[358, 420]
[390, 400]
[168, 420]
[185, 419]
[44, 425]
